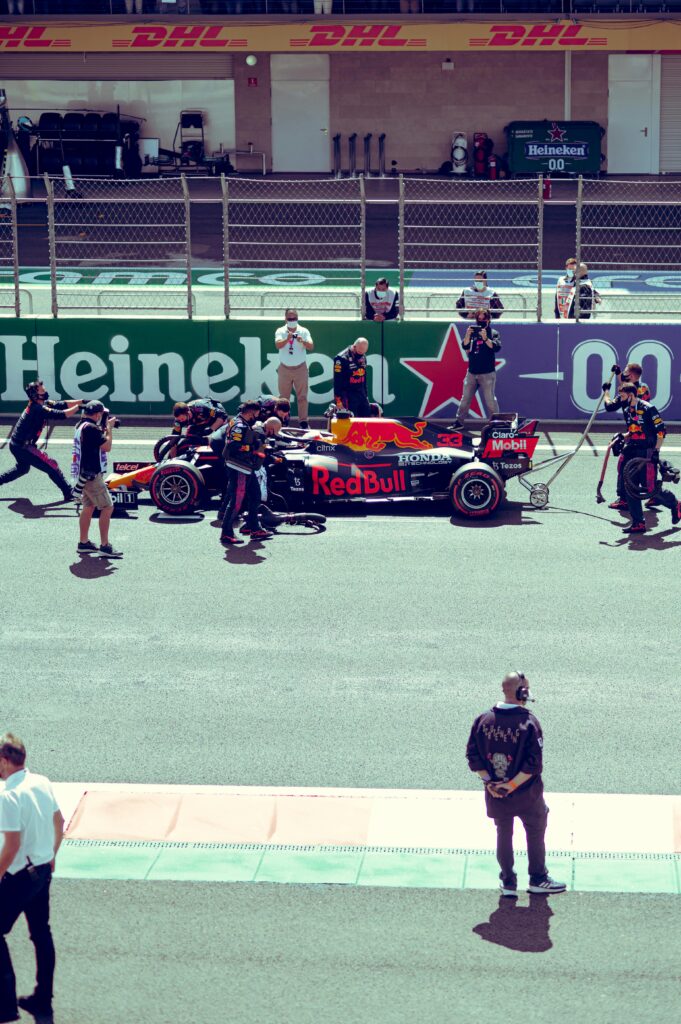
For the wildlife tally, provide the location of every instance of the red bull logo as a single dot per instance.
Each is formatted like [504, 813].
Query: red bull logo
[373, 435]
[362, 483]
[517, 445]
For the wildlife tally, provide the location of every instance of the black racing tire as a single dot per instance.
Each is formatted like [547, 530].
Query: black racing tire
[476, 491]
[175, 489]
[179, 441]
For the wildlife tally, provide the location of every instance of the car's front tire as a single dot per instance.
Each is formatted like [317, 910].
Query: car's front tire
[476, 491]
[175, 489]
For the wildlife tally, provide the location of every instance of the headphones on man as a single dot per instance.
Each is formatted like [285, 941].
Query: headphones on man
[523, 691]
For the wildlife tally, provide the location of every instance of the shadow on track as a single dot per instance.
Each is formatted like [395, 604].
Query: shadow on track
[645, 541]
[511, 514]
[161, 519]
[248, 554]
[524, 929]
[93, 567]
[25, 507]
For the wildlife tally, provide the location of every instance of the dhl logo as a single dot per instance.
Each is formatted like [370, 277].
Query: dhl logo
[555, 35]
[517, 445]
[356, 35]
[142, 37]
[29, 37]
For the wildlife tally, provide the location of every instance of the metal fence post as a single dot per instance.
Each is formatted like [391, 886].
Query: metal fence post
[362, 242]
[540, 243]
[578, 243]
[225, 243]
[352, 155]
[400, 249]
[188, 243]
[15, 244]
[52, 244]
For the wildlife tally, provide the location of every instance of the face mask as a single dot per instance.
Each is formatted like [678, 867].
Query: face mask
[291, 324]
[569, 274]
[380, 295]
[479, 286]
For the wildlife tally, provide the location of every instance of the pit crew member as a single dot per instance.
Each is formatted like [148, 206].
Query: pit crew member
[279, 407]
[242, 457]
[381, 302]
[23, 441]
[200, 417]
[630, 374]
[564, 306]
[482, 343]
[505, 749]
[350, 378]
[293, 341]
[480, 296]
[643, 440]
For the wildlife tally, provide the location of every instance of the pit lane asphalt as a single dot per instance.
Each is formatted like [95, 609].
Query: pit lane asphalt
[357, 657]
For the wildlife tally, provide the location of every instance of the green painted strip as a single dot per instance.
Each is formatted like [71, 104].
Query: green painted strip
[455, 869]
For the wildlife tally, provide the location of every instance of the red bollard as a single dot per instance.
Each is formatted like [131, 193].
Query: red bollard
[547, 187]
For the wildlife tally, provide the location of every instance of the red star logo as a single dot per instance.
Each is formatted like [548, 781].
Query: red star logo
[444, 374]
[555, 133]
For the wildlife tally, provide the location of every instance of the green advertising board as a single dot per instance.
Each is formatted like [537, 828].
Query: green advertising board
[554, 147]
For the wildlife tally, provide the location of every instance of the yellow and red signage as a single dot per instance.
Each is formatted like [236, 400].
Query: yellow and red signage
[343, 37]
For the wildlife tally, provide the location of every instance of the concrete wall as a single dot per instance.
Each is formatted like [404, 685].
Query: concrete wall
[253, 108]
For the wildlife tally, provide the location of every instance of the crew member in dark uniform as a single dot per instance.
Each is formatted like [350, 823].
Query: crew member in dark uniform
[23, 441]
[643, 440]
[200, 417]
[631, 373]
[505, 749]
[350, 379]
[242, 459]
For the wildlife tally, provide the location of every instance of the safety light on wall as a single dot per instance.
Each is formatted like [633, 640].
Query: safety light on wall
[447, 64]
[251, 60]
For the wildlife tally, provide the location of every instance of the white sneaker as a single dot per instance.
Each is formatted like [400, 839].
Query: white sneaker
[548, 886]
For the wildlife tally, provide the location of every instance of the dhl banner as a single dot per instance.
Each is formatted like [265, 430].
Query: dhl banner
[346, 37]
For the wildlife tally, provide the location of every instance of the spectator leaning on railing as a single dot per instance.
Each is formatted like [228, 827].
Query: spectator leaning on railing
[566, 286]
[480, 296]
[381, 302]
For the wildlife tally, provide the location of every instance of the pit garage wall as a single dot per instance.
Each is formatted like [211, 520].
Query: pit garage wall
[415, 369]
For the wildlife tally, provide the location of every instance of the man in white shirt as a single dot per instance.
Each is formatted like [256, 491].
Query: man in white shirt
[31, 827]
[293, 342]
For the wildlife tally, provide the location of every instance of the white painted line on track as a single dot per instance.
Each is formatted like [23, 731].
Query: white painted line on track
[588, 450]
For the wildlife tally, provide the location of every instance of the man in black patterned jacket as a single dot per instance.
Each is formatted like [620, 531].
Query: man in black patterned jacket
[505, 749]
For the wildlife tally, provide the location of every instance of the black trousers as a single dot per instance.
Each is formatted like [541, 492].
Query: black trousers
[531, 809]
[358, 403]
[31, 457]
[27, 892]
[242, 489]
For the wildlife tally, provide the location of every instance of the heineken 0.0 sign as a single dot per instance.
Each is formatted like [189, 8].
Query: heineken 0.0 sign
[554, 147]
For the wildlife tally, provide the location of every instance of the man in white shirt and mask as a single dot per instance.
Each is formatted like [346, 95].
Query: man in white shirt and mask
[293, 342]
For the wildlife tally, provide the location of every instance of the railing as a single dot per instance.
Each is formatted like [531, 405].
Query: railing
[124, 247]
[351, 8]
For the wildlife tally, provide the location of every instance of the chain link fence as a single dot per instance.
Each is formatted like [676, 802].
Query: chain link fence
[127, 233]
[446, 224]
[280, 224]
[9, 249]
[628, 227]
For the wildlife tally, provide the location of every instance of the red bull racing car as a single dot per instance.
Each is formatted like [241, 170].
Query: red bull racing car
[355, 460]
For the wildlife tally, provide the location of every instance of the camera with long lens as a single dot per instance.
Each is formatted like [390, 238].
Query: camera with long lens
[105, 419]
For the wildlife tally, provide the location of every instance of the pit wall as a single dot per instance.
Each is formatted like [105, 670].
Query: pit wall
[415, 369]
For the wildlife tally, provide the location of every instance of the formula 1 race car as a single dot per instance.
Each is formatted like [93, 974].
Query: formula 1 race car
[357, 459]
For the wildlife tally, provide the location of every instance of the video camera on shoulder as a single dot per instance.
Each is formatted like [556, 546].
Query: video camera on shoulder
[94, 408]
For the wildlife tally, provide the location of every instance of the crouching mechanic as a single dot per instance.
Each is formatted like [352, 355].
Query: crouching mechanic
[643, 440]
[91, 442]
[505, 749]
[350, 378]
[242, 455]
[23, 441]
[198, 418]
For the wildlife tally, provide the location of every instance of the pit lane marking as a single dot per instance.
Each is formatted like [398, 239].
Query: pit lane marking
[595, 450]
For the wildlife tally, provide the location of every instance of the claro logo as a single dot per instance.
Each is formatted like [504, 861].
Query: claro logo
[518, 36]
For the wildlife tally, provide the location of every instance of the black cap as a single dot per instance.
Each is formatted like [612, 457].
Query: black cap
[92, 408]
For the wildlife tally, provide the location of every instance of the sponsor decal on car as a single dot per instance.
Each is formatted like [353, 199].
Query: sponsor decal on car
[360, 483]
[422, 458]
[500, 442]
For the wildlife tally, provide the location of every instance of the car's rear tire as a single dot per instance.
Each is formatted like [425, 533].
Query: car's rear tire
[175, 489]
[476, 491]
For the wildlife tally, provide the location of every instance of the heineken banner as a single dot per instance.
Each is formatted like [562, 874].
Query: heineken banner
[546, 147]
[417, 369]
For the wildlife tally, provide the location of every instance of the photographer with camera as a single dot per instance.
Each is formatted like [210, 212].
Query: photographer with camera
[482, 343]
[293, 342]
[505, 749]
[23, 441]
[91, 441]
